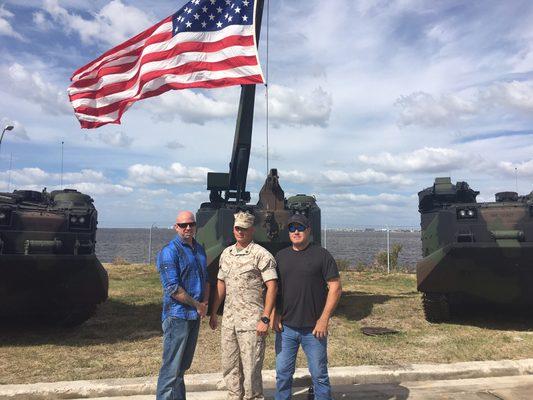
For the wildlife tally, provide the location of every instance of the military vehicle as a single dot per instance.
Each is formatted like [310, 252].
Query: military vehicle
[228, 194]
[474, 253]
[48, 265]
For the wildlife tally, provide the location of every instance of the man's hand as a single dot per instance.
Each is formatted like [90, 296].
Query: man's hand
[275, 323]
[183, 297]
[262, 329]
[213, 321]
[321, 328]
[202, 309]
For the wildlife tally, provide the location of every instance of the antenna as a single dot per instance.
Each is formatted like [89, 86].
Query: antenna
[516, 178]
[9, 175]
[61, 181]
[325, 233]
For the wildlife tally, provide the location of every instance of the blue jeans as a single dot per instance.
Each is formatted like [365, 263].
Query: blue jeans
[287, 344]
[179, 342]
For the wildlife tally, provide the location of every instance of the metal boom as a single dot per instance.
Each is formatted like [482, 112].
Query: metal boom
[234, 183]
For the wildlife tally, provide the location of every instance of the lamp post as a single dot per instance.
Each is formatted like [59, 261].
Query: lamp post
[7, 128]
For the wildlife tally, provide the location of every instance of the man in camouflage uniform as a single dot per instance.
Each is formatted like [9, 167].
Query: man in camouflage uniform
[246, 269]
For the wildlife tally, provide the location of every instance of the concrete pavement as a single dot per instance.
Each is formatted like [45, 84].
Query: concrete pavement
[348, 378]
[502, 388]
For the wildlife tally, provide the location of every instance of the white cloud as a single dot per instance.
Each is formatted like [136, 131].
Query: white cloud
[512, 96]
[424, 110]
[86, 181]
[85, 175]
[255, 176]
[523, 61]
[260, 152]
[108, 189]
[496, 99]
[334, 178]
[28, 176]
[523, 169]
[293, 176]
[116, 139]
[368, 176]
[33, 87]
[113, 24]
[427, 159]
[349, 209]
[5, 26]
[141, 174]
[351, 199]
[193, 197]
[334, 163]
[156, 192]
[41, 22]
[37, 176]
[191, 107]
[174, 145]
[289, 107]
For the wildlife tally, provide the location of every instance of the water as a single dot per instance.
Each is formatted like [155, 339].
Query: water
[362, 247]
[130, 244]
[356, 247]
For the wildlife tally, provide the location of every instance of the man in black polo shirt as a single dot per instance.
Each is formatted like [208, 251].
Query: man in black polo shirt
[309, 289]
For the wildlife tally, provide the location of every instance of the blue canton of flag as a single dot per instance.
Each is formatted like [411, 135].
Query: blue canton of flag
[212, 15]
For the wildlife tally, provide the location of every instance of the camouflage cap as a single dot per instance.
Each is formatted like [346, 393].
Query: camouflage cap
[299, 219]
[243, 220]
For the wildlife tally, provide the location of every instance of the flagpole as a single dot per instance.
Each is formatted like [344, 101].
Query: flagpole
[61, 180]
[267, 81]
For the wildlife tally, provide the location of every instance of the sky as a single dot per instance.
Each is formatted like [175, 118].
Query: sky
[369, 101]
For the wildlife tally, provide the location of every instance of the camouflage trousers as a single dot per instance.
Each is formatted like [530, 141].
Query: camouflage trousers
[242, 361]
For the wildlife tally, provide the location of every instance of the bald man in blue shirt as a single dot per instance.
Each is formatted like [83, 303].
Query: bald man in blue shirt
[182, 266]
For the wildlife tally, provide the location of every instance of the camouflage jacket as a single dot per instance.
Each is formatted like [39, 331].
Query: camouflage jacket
[244, 273]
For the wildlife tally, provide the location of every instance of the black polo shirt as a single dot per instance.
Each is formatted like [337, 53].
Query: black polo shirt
[302, 284]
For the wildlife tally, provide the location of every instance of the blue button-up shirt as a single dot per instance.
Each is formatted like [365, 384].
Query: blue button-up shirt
[181, 265]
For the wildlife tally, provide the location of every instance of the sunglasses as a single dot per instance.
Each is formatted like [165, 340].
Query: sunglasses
[186, 224]
[239, 229]
[296, 227]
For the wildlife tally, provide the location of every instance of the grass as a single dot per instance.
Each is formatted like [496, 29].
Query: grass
[124, 338]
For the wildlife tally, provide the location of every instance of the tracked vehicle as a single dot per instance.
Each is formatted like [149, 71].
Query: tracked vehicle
[474, 252]
[228, 195]
[48, 263]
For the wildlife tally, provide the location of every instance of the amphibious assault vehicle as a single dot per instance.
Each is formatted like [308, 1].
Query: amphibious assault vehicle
[228, 194]
[215, 220]
[48, 265]
[473, 252]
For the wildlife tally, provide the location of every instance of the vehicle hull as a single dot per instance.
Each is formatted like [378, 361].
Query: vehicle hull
[50, 283]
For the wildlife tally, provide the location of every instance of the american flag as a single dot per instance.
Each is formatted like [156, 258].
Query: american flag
[206, 44]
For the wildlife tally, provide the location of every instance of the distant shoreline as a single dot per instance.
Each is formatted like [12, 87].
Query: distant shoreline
[353, 247]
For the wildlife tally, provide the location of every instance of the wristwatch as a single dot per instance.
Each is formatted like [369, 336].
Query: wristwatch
[265, 320]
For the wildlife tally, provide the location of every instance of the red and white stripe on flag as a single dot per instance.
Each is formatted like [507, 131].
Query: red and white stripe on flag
[156, 61]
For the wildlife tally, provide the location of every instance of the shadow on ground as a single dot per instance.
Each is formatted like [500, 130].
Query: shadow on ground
[495, 317]
[114, 322]
[371, 391]
[355, 305]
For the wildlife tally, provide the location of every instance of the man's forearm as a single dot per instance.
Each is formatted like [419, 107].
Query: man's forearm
[206, 292]
[270, 298]
[334, 294]
[183, 297]
[220, 293]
